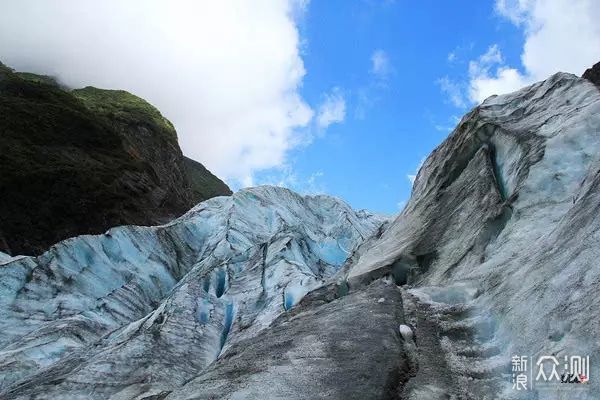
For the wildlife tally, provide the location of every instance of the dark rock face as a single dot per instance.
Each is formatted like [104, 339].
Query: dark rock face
[593, 74]
[83, 161]
[203, 184]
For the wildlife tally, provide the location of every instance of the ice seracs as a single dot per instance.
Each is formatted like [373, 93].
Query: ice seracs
[218, 274]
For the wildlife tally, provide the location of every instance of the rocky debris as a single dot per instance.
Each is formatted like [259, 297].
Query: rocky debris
[406, 333]
[593, 74]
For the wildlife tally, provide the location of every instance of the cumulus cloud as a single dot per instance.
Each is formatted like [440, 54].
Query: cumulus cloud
[486, 61]
[227, 72]
[559, 35]
[332, 110]
[489, 76]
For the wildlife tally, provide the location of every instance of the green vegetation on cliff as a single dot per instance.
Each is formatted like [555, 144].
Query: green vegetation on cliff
[203, 183]
[37, 78]
[124, 107]
[83, 161]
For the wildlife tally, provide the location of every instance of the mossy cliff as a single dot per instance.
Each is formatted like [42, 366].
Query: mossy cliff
[81, 161]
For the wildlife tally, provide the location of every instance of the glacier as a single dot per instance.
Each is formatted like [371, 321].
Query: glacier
[191, 288]
[500, 241]
[270, 294]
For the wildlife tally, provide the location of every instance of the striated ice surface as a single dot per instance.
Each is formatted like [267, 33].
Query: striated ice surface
[193, 287]
[502, 237]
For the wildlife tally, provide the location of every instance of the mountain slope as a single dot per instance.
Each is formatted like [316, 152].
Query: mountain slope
[268, 294]
[83, 161]
[203, 184]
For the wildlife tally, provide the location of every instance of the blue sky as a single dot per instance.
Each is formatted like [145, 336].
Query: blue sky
[343, 97]
[393, 119]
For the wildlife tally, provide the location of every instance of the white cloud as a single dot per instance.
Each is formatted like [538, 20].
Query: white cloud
[461, 94]
[457, 54]
[380, 64]
[286, 176]
[368, 94]
[453, 90]
[489, 76]
[505, 80]
[332, 110]
[486, 61]
[514, 10]
[559, 35]
[226, 72]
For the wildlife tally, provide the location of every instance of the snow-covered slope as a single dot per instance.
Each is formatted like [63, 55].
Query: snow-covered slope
[140, 307]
